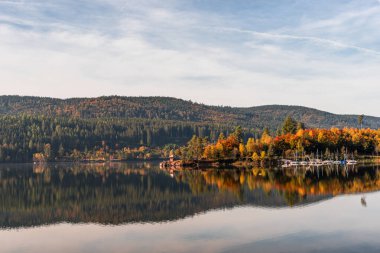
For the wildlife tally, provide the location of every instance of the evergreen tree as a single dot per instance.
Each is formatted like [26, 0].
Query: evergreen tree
[289, 126]
[61, 150]
[300, 126]
[238, 133]
[360, 120]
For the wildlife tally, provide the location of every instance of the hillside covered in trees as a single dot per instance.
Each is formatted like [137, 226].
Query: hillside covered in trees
[166, 108]
[123, 128]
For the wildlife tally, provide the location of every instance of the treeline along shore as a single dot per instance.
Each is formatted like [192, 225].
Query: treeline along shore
[44, 139]
[145, 128]
[294, 142]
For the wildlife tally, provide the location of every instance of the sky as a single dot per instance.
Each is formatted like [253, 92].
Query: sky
[323, 54]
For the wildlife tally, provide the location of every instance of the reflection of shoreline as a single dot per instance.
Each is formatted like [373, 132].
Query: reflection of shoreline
[295, 185]
[332, 180]
[141, 193]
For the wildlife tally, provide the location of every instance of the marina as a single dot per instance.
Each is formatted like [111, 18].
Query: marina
[316, 162]
[307, 160]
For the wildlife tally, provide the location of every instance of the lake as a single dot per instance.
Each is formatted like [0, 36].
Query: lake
[136, 207]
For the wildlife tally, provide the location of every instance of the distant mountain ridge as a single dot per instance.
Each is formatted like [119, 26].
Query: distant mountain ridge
[168, 108]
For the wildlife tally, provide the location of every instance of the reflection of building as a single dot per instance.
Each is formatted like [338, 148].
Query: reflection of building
[39, 168]
[42, 169]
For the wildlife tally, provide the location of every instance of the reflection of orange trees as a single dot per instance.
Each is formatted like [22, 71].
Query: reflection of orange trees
[310, 185]
[292, 184]
[225, 180]
[203, 181]
[39, 168]
[42, 169]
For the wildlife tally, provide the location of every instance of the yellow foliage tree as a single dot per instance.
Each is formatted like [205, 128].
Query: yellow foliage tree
[255, 157]
[242, 150]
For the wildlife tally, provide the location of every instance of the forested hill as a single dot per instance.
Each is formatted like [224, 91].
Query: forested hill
[92, 128]
[166, 108]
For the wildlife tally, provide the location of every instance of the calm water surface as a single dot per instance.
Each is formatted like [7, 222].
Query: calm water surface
[136, 207]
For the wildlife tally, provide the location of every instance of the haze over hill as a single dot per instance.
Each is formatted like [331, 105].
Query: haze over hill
[167, 108]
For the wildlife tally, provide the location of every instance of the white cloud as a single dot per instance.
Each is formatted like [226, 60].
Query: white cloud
[315, 40]
[175, 52]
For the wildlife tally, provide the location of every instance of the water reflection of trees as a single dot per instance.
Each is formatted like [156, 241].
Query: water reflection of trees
[294, 184]
[139, 192]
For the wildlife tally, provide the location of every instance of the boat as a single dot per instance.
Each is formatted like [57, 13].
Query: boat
[286, 163]
[328, 162]
[351, 161]
[316, 162]
[295, 162]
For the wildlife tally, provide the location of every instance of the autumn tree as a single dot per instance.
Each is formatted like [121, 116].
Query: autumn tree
[250, 146]
[242, 150]
[47, 151]
[255, 157]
